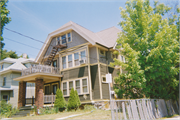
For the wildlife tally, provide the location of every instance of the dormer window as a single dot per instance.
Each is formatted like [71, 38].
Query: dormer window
[63, 38]
[69, 37]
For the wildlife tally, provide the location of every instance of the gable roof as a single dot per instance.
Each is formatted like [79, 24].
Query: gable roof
[17, 64]
[106, 37]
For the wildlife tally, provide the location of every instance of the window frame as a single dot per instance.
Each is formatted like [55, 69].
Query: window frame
[103, 76]
[59, 38]
[65, 62]
[74, 86]
[104, 52]
[7, 98]
[45, 89]
[4, 81]
[71, 60]
[65, 89]
[57, 84]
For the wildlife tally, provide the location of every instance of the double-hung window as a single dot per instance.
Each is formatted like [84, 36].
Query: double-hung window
[70, 86]
[70, 61]
[4, 81]
[58, 39]
[76, 59]
[69, 37]
[84, 85]
[63, 38]
[65, 88]
[77, 83]
[83, 55]
[64, 62]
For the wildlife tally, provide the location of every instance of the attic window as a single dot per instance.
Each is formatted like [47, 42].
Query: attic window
[63, 38]
[69, 37]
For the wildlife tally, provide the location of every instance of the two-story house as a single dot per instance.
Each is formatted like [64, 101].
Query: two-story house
[73, 57]
[9, 69]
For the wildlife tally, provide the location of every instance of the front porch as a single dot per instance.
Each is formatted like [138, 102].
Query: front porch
[41, 75]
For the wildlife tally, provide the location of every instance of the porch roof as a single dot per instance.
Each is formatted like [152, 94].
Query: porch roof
[47, 77]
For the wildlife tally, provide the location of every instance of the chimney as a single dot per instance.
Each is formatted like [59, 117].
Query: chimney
[24, 55]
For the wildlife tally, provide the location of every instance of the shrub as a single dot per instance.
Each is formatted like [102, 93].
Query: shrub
[6, 109]
[59, 101]
[72, 102]
[88, 107]
[77, 99]
[48, 110]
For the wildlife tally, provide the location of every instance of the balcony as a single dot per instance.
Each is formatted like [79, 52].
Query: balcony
[40, 69]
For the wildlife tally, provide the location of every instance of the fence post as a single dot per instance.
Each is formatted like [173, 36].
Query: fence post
[52, 99]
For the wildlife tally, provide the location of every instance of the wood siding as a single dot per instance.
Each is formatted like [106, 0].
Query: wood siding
[93, 55]
[75, 73]
[95, 82]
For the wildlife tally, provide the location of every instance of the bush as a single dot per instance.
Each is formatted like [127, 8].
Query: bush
[88, 107]
[6, 109]
[77, 99]
[59, 101]
[48, 110]
[72, 102]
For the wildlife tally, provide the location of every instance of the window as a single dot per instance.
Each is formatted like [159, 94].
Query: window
[64, 62]
[54, 89]
[69, 37]
[83, 54]
[4, 81]
[5, 97]
[70, 61]
[76, 59]
[58, 39]
[102, 52]
[55, 63]
[78, 86]
[65, 88]
[114, 56]
[70, 86]
[63, 38]
[84, 85]
[47, 92]
[2, 66]
[103, 79]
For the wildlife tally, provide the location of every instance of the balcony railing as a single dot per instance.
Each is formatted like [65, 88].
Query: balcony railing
[40, 69]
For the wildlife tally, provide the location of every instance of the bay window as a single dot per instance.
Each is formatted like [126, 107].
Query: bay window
[65, 88]
[70, 61]
[76, 59]
[64, 62]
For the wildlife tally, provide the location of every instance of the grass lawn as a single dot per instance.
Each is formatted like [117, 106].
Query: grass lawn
[96, 114]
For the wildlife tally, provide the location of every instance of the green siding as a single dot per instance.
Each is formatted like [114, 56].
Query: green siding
[75, 73]
[95, 82]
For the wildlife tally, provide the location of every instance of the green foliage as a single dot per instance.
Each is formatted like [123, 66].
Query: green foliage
[4, 19]
[88, 107]
[77, 98]
[59, 101]
[48, 110]
[6, 109]
[72, 102]
[10, 54]
[150, 46]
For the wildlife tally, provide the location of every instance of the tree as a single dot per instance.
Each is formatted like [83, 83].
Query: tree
[11, 54]
[77, 98]
[4, 20]
[72, 102]
[150, 46]
[59, 101]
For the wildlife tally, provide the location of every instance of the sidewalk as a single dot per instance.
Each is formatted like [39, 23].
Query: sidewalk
[173, 118]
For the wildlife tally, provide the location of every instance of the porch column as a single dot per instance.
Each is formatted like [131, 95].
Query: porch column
[22, 94]
[39, 93]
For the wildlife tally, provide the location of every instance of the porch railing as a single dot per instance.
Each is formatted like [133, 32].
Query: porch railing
[49, 98]
[40, 69]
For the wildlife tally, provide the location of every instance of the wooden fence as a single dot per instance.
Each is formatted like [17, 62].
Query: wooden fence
[143, 109]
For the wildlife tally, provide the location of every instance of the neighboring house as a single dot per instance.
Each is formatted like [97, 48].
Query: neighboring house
[73, 57]
[9, 69]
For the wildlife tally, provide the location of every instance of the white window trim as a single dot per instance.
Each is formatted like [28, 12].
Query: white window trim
[67, 84]
[5, 81]
[81, 87]
[104, 54]
[66, 38]
[73, 60]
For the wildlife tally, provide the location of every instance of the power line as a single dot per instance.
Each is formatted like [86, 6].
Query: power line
[21, 43]
[20, 51]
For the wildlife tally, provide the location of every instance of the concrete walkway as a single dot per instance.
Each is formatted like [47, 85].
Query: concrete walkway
[71, 116]
[173, 118]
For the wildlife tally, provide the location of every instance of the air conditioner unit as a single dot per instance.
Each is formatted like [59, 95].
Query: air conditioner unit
[83, 61]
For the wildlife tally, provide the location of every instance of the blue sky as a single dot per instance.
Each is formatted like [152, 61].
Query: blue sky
[38, 18]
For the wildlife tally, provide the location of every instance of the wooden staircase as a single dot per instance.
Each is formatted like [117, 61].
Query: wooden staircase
[53, 53]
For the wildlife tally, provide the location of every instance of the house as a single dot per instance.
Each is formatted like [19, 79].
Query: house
[9, 69]
[72, 57]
